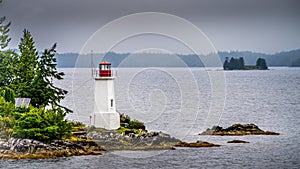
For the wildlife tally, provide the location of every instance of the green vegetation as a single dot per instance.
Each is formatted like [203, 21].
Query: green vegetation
[126, 122]
[132, 126]
[42, 125]
[33, 75]
[234, 64]
[261, 64]
[33, 123]
[77, 126]
[30, 75]
[5, 56]
[135, 124]
[124, 130]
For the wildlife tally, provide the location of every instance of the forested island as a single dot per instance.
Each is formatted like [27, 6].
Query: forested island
[239, 64]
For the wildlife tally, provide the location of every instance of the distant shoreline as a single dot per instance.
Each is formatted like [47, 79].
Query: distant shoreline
[280, 59]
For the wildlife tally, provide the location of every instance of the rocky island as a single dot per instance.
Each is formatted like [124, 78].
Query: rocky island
[237, 141]
[237, 130]
[239, 64]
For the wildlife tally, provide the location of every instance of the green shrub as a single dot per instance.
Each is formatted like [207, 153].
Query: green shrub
[124, 129]
[77, 126]
[124, 119]
[42, 125]
[8, 94]
[135, 124]
[6, 108]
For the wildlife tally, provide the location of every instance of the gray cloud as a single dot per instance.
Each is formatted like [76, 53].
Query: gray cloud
[266, 26]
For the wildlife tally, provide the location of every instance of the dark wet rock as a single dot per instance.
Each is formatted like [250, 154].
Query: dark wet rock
[196, 144]
[237, 130]
[238, 141]
[28, 148]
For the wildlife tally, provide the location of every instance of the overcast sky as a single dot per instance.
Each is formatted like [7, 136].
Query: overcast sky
[257, 25]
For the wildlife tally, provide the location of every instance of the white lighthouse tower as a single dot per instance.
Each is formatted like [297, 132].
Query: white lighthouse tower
[105, 115]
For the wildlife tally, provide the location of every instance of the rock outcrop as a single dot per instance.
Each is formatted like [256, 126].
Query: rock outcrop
[28, 148]
[237, 141]
[112, 140]
[237, 130]
[196, 144]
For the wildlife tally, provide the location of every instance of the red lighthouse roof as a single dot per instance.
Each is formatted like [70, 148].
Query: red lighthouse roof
[105, 63]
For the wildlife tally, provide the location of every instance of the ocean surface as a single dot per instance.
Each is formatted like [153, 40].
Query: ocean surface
[184, 102]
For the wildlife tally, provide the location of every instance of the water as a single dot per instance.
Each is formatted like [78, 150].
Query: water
[173, 101]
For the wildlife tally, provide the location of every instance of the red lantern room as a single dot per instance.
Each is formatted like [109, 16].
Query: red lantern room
[104, 69]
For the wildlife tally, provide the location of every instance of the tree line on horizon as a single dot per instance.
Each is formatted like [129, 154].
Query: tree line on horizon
[68, 60]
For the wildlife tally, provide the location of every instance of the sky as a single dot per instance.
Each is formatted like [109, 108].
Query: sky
[267, 26]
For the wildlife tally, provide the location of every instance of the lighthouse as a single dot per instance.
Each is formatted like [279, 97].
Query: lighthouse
[105, 115]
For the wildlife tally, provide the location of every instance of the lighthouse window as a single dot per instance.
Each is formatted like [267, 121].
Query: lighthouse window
[111, 103]
[102, 67]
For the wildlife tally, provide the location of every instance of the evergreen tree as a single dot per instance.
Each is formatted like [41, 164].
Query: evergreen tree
[241, 63]
[35, 75]
[4, 29]
[225, 65]
[6, 56]
[234, 64]
[27, 75]
[26, 67]
[261, 63]
[47, 72]
[7, 94]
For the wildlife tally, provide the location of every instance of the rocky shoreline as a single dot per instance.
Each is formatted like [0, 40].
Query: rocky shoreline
[237, 130]
[93, 142]
[88, 143]
[27, 148]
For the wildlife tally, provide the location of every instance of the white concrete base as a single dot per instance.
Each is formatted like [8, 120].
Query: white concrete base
[107, 120]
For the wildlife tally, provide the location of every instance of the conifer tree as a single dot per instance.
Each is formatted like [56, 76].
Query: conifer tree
[4, 29]
[26, 67]
[226, 64]
[35, 75]
[261, 63]
[6, 56]
[47, 72]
